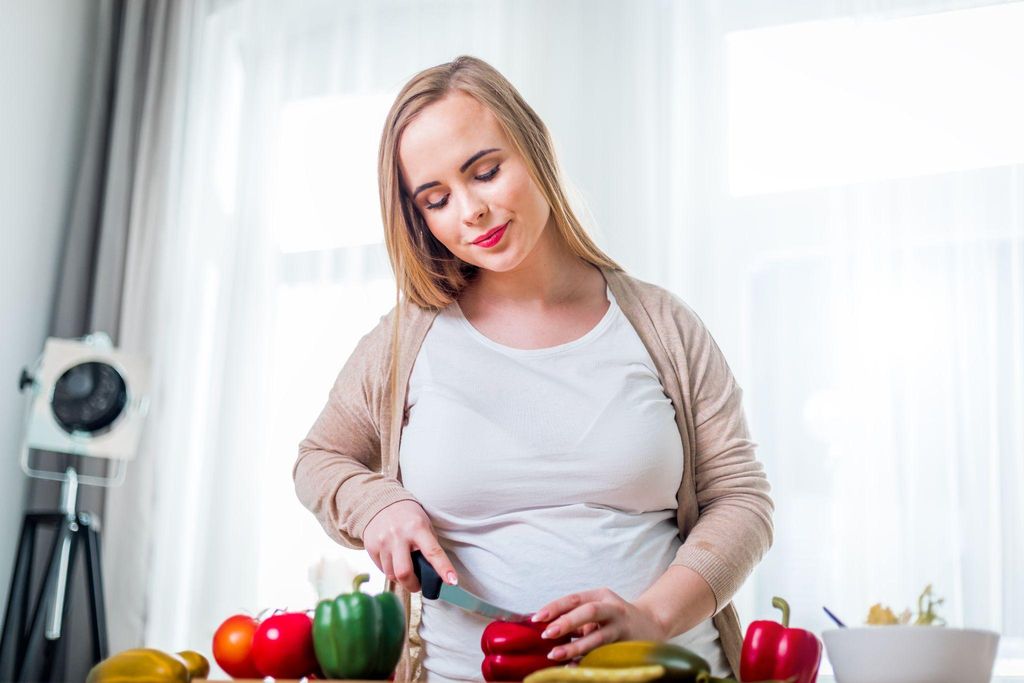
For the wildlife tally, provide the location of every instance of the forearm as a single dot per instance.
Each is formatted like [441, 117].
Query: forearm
[343, 493]
[679, 600]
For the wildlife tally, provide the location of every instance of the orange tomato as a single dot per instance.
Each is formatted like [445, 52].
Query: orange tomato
[232, 646]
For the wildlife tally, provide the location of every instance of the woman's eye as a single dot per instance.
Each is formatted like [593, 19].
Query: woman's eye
[490, 174]
[486, 177]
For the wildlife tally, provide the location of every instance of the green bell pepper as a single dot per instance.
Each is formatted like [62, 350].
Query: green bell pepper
[358, 635]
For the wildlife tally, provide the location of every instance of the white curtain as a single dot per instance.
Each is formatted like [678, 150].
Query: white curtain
[144, 324]
[857, 195]
[845, 215]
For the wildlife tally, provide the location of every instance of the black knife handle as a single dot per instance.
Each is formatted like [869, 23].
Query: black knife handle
[430, 582]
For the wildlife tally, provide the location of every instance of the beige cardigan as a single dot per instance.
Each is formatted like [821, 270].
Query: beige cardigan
[347, 466]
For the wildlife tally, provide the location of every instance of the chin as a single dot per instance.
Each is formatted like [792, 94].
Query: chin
[500, 263]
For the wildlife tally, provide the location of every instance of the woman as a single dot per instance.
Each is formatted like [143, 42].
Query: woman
[564, 438]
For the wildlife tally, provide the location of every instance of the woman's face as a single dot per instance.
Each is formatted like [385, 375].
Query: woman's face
[466, 180]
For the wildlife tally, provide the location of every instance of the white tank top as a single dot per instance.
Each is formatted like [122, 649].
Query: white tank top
[544, 472]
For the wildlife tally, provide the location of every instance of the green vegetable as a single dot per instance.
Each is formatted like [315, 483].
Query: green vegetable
[926, 615]
[680, 665]
[358, 635]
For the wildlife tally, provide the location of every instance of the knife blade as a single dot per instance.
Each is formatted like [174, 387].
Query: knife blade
[433, 588]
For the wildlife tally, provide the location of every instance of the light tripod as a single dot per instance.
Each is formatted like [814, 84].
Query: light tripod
[30, 649]
[88, 401]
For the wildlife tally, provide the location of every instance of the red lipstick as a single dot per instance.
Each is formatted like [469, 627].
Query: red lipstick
[492, 237]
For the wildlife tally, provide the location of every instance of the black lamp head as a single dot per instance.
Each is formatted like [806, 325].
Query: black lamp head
[89, 397]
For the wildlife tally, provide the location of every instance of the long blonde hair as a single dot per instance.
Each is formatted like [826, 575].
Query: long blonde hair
[427, 274]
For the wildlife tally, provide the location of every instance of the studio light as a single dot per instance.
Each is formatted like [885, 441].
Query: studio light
[87, 400]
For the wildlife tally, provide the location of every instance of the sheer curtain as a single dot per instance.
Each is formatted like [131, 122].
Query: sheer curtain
[277, 265]
[858, 195]
[846, 215]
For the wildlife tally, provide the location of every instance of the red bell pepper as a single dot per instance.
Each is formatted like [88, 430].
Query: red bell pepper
[774, 651]
[514, 649]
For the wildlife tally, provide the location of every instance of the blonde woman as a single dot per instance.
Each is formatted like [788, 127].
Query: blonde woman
[556, 436]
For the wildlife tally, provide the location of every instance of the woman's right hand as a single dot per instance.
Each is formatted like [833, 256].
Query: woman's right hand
[394, 533]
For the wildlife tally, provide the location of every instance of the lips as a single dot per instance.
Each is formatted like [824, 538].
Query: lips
[490, 234]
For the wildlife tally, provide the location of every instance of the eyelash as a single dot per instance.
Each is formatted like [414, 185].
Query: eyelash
[486, 178]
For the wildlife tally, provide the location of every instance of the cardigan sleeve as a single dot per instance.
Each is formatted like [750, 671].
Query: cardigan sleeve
[734, 528]
[337, 473]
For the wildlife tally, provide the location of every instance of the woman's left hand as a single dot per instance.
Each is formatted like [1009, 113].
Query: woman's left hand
[600, 616]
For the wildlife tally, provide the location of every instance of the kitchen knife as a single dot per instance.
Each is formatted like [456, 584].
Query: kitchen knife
[433, 588]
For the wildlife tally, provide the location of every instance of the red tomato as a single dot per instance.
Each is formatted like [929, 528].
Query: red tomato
[283, 646]
[232, 646]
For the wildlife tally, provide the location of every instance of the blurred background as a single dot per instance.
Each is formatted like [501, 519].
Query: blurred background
[835, 186]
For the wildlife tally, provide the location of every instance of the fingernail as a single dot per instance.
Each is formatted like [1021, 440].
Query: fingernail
[452, 579]
[549, 633]
[555, 654]
[539, 616]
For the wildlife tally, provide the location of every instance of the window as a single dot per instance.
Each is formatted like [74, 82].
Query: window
[831, 103]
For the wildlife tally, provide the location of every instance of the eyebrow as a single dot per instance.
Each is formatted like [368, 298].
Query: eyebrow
[462, 169]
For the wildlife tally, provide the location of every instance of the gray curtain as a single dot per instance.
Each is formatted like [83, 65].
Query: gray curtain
[131, 39]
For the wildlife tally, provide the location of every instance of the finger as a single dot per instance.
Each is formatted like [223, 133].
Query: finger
[598, 636]
[586, 629]
[402, 562]
[385, 566]
[587, 612]
[555, 608]
[375, 558]
[437, 558]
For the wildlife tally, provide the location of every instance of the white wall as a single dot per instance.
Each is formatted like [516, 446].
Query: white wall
[46, 51]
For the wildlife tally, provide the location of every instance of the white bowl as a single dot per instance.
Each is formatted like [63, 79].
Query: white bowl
[911, 654]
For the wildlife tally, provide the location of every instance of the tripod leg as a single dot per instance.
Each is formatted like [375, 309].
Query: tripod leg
[17, 601]
[25, 664]
[57, 631]
[51, 651]
[99, 616]
[41, 650]
[23, 617]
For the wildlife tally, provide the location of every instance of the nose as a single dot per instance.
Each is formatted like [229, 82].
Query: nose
[474, 210]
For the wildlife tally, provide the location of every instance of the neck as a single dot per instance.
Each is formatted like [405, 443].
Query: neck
[549, 276]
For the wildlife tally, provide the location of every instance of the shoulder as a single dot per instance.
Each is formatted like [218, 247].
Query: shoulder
[665, 308]
[683, 334]
[374, 348]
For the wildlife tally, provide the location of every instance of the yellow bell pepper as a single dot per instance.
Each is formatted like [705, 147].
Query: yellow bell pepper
[147, 665]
